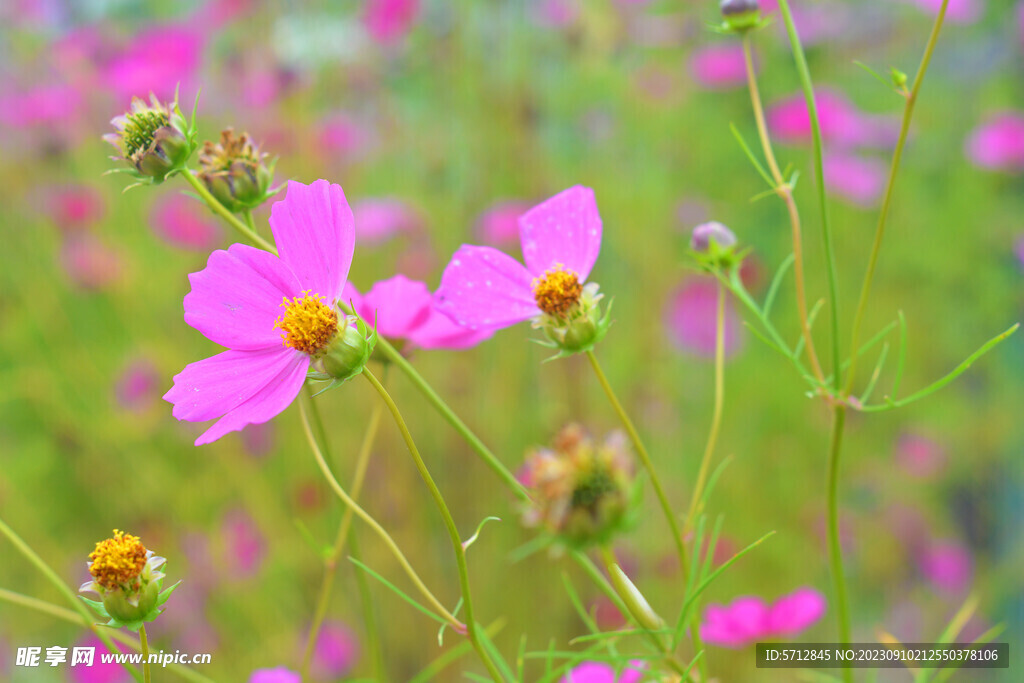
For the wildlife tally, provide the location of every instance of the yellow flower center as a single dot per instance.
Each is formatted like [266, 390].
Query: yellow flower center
[118, 560]
[308, 324]
[558, 291]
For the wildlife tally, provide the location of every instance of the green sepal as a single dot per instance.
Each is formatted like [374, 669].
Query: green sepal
[96, 605]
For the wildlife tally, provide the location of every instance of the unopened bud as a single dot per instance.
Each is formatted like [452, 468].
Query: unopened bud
[153, 139]
[235, 172]
[714, 245]
[741, 15]
[347, 354]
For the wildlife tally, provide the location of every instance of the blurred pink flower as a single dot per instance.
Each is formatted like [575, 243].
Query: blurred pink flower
[718, 66]
[1018, 248]
[948, 566]
[160, 60]
[1020, 23]
[185, 223]
[137, 386]
[998, 144]
[841, 122]
[89, 263]
[98, 672]
[259, 439]
[690, 318]
[556, 13]
[857, 179]
[342, 134]
[336, 652]
[389, 21]
[958, 11]
[594, 672]
[748, 619]
[498, 226]
[404, 310]
[245, 546]
[920, 456]
[278, 675]
[379, 219]
[73, 207]
[48, 104]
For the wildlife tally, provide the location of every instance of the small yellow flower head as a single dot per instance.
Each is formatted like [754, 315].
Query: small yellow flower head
[118, 561]
[558, 292]
[308, 323]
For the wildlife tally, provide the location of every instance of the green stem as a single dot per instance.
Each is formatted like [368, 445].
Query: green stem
[372, 633]
[819, 177]
[908, 112]
[63, 589]
[363, 515]
[331, 559]
[222, 211]
[144, 644]
[449, 522]
[835, 548]
[76, 618]
[247, 213]
[394, 356]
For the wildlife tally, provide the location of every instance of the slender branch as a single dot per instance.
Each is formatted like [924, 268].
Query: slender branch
[883, 214]
[222, 211]
[449, 522]
[835, 548]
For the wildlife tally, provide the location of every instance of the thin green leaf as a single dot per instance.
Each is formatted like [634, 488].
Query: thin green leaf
[503, 668]
[944, 674]
[773, 289]
[798, 348]
[901, 361]
[397, 591]
[322, 551]
[750, 155]
[472, 539]
[617, 634]
[874, 73]
[712, 480]
[874, 375]
[440, 631]
[709, 554]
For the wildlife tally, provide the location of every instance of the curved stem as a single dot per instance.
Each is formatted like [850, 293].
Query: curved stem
[716, 416]
[785, 192]
[363, 515]
[449, 523]
[223, 212]
[908, 112]
[835, 548]
[144, 644]
[819, 177]
[331, 559]
[63, 589]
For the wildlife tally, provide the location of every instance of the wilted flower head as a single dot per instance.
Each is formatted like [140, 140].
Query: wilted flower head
[749, 619]
[235, 171]
[154, 139]
[581, 490]
[125, 575]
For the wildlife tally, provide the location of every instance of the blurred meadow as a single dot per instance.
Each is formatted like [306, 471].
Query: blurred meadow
[443, 120]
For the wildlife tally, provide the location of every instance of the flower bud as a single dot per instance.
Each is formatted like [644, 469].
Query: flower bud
[581, 491]
[347, 354]
[235, 172]
[714, 245]
[740, 15]
[580, 326]
[153, 139]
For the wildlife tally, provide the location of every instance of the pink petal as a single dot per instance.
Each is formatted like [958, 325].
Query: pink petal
[440, 332]
[217, 385]
[237, 298]
[737, 624]
[482, 287]
[399, 304]
[794, 612]
[565, 229]
[315, 235]
[590, 672]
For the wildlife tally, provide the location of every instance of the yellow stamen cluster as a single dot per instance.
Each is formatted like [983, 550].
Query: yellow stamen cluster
[308, 324]
[118, 560]
[558, 291]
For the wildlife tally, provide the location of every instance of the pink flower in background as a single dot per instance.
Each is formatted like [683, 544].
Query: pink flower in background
[136, 387]
[244, 545]
[859, 180]
[948, 566]
[378, 220]
[98, 672]
[1020, 23]
[404, 310]
[1018, 248]
[691, 317]
[388, 21]
[73, 207]
[345, 135]
[556, 13]
[594, 672]
[160, 60]
[484, 288]
[749, 619]
[185, 223]
[236, 301]
[998, 144]
[41, 105]
[89, 263]
[920, 456]
[841, 122]
[499, 225]
[278, 675]
[336, 651]
[718, 66]
[958, 11]
[259, 439]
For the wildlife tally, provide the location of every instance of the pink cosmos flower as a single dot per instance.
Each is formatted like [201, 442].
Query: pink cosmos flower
[184, 223]
[378, 220]
[948, 566]
[556, 13]
[98, 672]
[499, 225]
[343, 134]
[135, 389]
[748, 619]
[841, 122]
[691, 318]
[47, 104]
[89, 263]
[236, 301]
[73, 207]
[484, 288]
[594, 672]
[857, 179]
[160, 60]
[719, 66]
[336, 651]
[388, 21]
[958, 11]
[920, 456]
[404, 310]
[245, 546]
[278, 675]
[998, 144]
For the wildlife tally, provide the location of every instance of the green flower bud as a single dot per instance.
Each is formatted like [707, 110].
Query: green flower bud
[153, 139]
[350, 350]
[236, 172]
[741, 15]
[572, 319]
